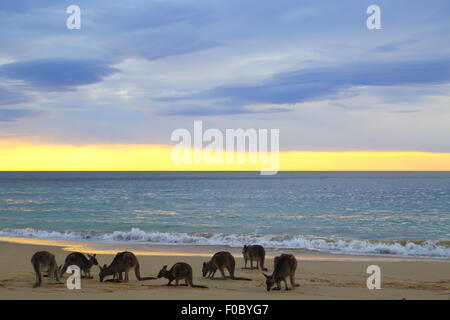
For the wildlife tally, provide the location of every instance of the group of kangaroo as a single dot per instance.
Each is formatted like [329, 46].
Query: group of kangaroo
[284, 267]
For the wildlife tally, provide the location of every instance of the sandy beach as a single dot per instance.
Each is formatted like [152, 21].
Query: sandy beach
[321, 276]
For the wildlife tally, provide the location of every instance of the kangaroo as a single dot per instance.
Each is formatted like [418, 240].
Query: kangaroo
[80, 260]
[254, 252]
[122, 262]
[44, 261]
[221, 260]
[284, 266]
[179, 271]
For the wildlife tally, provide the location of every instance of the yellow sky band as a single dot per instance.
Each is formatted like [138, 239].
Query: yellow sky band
[42, 157]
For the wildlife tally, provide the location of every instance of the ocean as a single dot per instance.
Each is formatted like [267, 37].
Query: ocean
[374, 213]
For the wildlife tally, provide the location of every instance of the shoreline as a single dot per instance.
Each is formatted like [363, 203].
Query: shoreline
[400, 248]
[320, 276]
[203, 250]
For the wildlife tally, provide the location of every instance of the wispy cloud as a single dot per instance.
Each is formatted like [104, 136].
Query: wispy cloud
[10, 115]
[312, 84]
[395, 46]
[9, 97]
[56, 74]
[219, 110]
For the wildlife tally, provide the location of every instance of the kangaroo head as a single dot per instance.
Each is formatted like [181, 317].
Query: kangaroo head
[104, 271]
[162, 272]
[244, 249]
[205, 269]
[93, 259]
[269, 281]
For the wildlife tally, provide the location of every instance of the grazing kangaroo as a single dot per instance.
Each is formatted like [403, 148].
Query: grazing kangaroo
[254, 252]
[179, 271]
[284, 266]
[122, 262]
[80, 260]
[221, 260]
[44, 261]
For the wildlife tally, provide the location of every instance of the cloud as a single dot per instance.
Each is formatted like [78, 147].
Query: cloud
[213, 110]
[12, 7]
[313, 84]
[252, 61]
[162, 45]
[56, 74]
[395, 46]
[322, 82]
[113, 30]
[9, 115]
[8, 97]
[406, 111]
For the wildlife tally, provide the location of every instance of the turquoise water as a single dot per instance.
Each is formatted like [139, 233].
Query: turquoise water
[353, 212]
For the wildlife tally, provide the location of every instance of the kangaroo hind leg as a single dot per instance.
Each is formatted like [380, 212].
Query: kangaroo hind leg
[293, 284]
[222, 272]
[37, 270]
[285, 283]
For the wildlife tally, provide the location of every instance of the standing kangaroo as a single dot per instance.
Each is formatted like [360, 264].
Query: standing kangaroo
[44, 261]
[80, 260]
[221, 260]
[179, 271]
[122, 262]
[285, 266]
[254, 252]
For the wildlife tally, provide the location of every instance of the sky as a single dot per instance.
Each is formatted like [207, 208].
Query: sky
[137, 70]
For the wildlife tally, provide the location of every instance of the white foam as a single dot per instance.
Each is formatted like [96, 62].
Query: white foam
[426, 248]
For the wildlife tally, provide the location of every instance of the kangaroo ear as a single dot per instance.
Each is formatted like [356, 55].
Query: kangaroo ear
[94, 255]
[267, 276]
[165, 267]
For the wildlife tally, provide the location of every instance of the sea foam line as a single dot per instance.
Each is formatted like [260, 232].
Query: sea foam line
[425, 248]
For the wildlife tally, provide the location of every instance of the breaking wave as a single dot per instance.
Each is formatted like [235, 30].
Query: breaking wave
[425, 248]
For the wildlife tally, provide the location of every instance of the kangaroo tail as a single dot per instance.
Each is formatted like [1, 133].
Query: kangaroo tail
[147, 278]
[137, 271]
[241, 278]
[194, 285]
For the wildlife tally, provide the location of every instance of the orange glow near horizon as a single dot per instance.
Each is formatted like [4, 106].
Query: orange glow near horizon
[45, 157]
